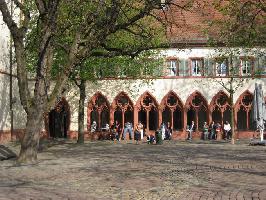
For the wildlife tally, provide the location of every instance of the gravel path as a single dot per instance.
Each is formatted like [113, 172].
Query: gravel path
[104, 170]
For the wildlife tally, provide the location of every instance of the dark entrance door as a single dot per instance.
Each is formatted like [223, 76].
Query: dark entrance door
[58, 123]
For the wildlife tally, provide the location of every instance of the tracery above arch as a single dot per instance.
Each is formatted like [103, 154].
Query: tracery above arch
[172, 101]
[98, 102]
[147, 102]
[220, 102]
[196, 102]
[122, 102]
[244, 101]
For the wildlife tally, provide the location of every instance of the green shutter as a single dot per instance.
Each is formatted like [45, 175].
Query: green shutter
[186, 68]
[236, 66]
[208, 67]
[181, 67]
[260, 65]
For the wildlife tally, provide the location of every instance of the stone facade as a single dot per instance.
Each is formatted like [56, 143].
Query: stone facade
[146, 101]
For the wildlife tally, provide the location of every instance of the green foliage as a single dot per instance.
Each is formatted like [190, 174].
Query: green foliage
[118, 54]
[240, 24]
[142, 66]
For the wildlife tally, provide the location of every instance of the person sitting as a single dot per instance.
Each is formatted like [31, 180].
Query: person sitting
[190, 130]
[150, 139]
[93, 126]
[227, 130]
[168, 132]
[113, 132]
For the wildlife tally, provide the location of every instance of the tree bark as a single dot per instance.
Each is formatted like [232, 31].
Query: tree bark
[30, 141]
[82, 96]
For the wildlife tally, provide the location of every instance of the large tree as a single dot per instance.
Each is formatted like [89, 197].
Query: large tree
[80, 29]
[237, 29]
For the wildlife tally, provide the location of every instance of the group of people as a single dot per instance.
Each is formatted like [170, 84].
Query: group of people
[211, 131]
[117, 132]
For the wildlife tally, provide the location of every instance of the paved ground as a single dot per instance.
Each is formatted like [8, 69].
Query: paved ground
[104, 170]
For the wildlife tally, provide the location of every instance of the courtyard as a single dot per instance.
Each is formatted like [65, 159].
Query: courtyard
[107, 170]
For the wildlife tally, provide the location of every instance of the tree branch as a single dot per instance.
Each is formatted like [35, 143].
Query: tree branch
[8, 18]
[41, 5]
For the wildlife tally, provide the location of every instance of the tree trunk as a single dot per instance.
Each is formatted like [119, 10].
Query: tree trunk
[30, 141]
[232, 113]
[82, 96]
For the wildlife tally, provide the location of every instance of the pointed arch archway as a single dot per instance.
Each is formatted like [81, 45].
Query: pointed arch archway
[122, 109]
[98, 110]
[220, 108]
[171, 109]
[243, 108]
[196, 109]
[147, 111]
[57, 121]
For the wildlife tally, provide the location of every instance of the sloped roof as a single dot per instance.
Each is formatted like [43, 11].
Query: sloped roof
[189, 26]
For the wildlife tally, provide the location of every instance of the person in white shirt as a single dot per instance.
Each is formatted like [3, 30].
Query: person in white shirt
[227, 130]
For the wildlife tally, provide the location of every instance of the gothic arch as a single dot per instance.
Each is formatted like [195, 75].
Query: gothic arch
[172, 110]
[220, 108]
[243, 108]
[196, 109]
[147, 111]
[122, 109]
[57, 121]
[98, 110]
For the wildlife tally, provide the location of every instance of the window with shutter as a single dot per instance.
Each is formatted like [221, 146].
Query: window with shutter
[171, 67]
[246, 66]
[221, 67]
[197, 67]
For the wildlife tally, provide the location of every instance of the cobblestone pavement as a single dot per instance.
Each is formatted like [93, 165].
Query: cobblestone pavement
[104, 170]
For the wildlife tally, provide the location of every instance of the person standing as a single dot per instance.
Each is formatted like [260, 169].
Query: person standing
[205, 131]
[212, 129]
[163, 130]
[137, 134]
[116, 130]
[141, 130]
[227, 130]
[218, 131]
[128, 128]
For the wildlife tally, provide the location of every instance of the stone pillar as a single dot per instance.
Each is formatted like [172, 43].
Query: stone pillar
[99, 120]
[147, 121]
[123, 117]
[172, 118]
[111, 116]
[88, 119]
[197, 120]
[136, 116]
[160, 115]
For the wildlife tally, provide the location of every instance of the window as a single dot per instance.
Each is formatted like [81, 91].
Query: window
[172, 68]
[196, 67]
[246, 66]
[221, 68]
